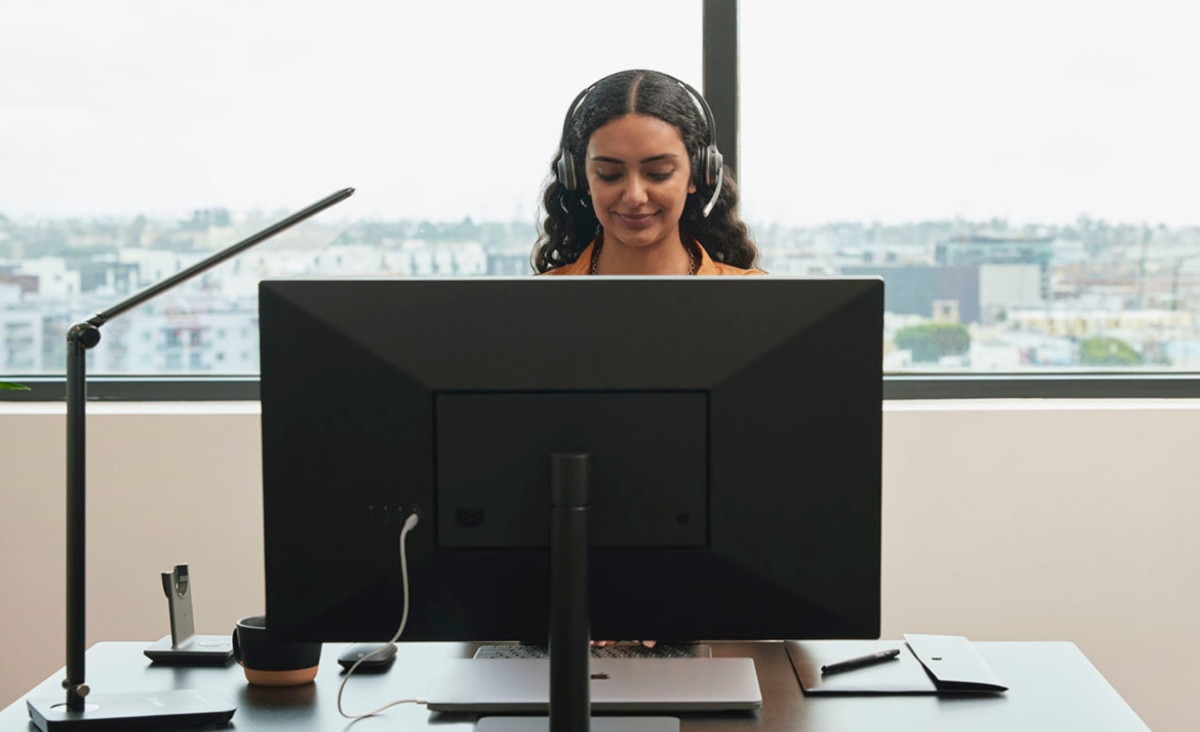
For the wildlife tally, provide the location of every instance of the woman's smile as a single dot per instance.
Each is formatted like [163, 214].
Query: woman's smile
[639, 220]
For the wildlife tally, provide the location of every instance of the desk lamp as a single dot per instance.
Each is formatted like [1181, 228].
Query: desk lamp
[131, 710]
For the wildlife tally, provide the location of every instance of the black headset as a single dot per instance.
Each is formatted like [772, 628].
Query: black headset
[708, 165]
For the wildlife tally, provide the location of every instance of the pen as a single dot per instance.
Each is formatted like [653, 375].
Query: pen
[861, 661]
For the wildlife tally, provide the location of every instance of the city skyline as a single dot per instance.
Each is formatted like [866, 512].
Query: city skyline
[1096, 294]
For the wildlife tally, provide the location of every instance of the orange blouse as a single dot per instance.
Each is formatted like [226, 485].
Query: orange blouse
[583, 265]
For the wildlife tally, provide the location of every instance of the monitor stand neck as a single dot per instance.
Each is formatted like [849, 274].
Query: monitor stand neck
[570, 654]
[570, 627]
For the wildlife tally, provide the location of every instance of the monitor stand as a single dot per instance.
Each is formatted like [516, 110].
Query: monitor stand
[570, 631]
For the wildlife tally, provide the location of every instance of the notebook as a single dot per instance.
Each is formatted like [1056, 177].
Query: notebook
[926, 664]
[504, 685]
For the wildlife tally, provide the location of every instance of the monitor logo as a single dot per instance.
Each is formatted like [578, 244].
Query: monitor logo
[600, 676]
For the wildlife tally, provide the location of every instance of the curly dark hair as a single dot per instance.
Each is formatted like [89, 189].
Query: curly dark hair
[571, 224]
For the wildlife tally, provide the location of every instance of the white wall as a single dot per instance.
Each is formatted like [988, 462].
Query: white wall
[1039, 520]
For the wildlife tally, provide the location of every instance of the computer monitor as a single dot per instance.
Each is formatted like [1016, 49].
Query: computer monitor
[733, 427]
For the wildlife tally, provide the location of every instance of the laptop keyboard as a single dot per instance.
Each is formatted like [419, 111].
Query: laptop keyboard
[619, 650]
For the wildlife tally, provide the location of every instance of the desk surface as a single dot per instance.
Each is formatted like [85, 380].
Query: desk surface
[1052, 687]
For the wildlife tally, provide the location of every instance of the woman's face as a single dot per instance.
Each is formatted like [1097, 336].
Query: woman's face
[639, 176]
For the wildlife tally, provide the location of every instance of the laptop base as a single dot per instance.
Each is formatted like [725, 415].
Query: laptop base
[618, 686]
[597, 724]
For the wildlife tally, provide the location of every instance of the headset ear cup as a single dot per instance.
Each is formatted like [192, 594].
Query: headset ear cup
[707, 166]
[700, 168]
[566, 172]
[716, 164]
[714, 175]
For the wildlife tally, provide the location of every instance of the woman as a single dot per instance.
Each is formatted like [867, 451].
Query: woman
[639, 188]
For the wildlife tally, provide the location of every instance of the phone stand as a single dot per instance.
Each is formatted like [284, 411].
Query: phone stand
[183, 647]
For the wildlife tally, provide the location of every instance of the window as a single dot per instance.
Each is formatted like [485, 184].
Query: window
[1023, 174]
[140, 138]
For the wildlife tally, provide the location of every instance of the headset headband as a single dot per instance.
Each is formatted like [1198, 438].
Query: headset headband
[708, 164]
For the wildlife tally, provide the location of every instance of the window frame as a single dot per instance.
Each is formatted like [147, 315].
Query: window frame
[896, 387]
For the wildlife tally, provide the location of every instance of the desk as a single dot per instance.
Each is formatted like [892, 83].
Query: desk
[1053, 687]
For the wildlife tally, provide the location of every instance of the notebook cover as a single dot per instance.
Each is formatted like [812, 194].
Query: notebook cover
[953, 663]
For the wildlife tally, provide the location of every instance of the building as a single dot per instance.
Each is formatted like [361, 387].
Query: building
[979, 249]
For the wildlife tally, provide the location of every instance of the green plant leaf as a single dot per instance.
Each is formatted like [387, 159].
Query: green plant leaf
[13, 387]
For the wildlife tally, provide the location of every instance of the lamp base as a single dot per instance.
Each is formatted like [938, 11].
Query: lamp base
[136, 711]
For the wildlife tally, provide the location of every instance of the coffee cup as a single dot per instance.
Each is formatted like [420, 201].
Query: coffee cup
[269, 662]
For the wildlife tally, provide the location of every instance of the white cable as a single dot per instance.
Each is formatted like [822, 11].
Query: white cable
[409, 523]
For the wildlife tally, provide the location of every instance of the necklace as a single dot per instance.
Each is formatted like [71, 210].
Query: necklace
[600, 245]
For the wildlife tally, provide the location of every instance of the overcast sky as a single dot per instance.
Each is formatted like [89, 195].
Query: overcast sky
[1034, 111]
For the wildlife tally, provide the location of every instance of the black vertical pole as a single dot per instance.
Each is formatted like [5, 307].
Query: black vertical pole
[80, 338]
[570, 700]
[720, 61]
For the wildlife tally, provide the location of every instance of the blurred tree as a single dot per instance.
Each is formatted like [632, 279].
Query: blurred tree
[931, 341]
[1107, 352]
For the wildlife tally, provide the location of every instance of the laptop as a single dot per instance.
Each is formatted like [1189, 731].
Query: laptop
[514, 685]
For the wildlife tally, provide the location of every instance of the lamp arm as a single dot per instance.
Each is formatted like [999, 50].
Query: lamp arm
[219, 257]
